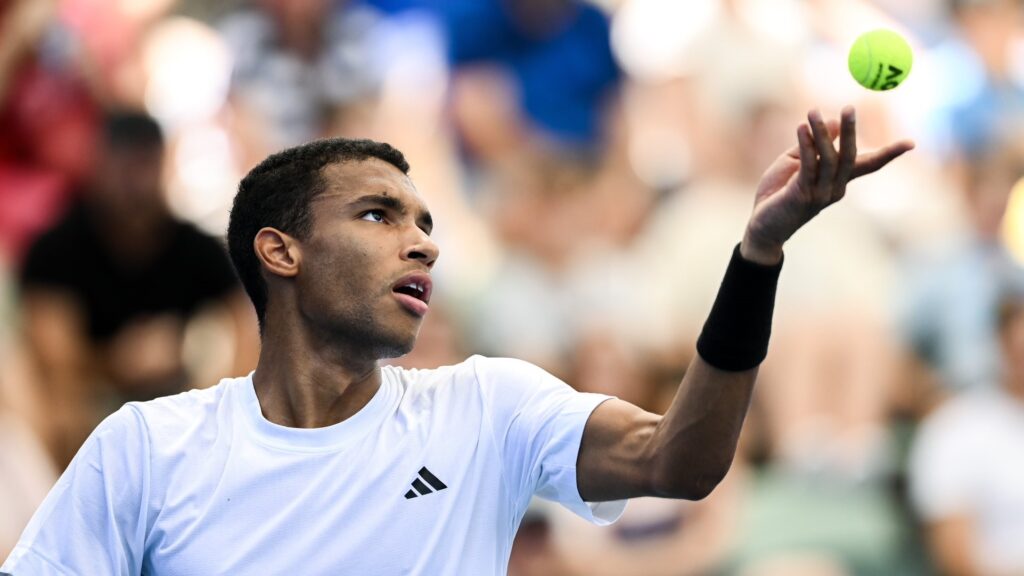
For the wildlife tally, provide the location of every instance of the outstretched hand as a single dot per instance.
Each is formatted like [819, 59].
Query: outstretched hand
[808, 178]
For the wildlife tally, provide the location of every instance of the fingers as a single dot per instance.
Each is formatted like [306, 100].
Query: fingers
[847, 150]
[808, 158]
[828, 160]
[824, 172]
[876, 160]
[794, 152]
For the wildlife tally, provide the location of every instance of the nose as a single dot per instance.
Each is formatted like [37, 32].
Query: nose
[422, 248]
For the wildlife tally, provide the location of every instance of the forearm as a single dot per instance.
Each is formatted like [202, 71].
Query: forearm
[695, 441]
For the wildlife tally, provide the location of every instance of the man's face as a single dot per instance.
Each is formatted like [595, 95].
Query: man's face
[129, 182]
[364, 275]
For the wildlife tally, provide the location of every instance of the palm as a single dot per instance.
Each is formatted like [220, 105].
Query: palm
[811, 176]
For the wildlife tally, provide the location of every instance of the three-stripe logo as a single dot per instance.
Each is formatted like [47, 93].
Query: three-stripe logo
[421, 489]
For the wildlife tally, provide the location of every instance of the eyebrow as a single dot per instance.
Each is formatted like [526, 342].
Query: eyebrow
[424, 219]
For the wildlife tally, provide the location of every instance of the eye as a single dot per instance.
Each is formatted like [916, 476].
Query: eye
[373, 216]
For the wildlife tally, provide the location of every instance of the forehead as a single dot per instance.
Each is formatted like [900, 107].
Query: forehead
[350, 179]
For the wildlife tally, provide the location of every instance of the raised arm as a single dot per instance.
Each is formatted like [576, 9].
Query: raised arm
[627, 452]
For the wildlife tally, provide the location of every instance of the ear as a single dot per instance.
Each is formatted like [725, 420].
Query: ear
[279, 252]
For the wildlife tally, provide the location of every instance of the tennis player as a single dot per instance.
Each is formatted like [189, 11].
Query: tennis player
[324, 462]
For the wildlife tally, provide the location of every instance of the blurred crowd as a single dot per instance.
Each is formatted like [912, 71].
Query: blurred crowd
[590, 166]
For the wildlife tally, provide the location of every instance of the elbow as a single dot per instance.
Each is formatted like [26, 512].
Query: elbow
[702, 487]
[694, 483]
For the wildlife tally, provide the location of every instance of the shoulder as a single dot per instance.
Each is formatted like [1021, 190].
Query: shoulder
[431, 381]
[73, 223]
[64, 245]
[491, 379]
[509, 385]
[488, 370]
[63, 234]
[479, 370]
[172, 417]
[512, 376]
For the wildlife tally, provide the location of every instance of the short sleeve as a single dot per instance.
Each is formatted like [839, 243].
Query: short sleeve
[538, 423]
[50, 262]
[93, 521]
[940, 467]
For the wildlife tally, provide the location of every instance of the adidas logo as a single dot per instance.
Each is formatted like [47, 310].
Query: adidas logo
[421, 489]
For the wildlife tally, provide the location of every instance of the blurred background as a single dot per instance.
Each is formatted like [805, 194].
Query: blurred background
[590, 166]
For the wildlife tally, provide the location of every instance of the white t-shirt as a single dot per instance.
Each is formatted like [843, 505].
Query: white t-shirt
[968, 459]
[431, 477]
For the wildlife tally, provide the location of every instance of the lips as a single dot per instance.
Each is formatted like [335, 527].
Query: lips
[413, 292]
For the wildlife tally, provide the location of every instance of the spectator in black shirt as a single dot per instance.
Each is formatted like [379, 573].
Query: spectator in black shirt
[108, 291]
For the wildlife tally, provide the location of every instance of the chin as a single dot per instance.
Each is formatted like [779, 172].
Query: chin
[396, 348]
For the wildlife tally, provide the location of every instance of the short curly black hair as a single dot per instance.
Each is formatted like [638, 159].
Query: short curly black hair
[277, 193]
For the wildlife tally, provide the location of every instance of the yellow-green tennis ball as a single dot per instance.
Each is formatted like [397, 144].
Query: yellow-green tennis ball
[880, 60]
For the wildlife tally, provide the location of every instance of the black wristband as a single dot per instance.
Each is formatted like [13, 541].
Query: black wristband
[736, 333]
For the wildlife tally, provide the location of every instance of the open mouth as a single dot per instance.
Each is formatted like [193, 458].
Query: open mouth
[413, 292]
[414, 289]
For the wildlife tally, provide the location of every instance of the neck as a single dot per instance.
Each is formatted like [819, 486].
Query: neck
[305, 382]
